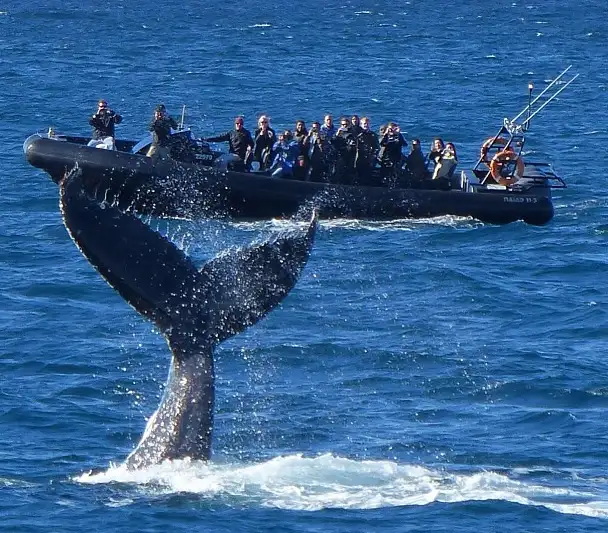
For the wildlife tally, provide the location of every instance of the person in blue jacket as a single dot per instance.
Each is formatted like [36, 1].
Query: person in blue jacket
[287, 152]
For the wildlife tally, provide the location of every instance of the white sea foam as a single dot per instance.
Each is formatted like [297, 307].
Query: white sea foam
[8, 482]
[303, 483]
[405, 224]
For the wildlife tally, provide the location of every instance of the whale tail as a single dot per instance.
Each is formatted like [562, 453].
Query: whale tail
[228, 294]
[195, 309]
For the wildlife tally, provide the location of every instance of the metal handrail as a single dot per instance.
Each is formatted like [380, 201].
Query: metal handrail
[512, 132]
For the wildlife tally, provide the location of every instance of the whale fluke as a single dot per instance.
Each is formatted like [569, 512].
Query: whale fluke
[195, 309]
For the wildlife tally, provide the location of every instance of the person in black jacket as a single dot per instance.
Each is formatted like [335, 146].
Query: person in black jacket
[317, 148]
[355, 123]
[345, 144]
[436, 153]
[300, 132]
[393, 141]
[160, 126]
[392, 158]
[103, 122]
[264, 139]
[368, 146]
[416, 162]
[239, 141]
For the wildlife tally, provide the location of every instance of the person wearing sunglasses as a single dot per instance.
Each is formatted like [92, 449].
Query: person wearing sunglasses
[264, 138]
[103, 122]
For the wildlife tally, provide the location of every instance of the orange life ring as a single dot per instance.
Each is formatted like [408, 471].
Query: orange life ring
[486, 146]
[500, 160]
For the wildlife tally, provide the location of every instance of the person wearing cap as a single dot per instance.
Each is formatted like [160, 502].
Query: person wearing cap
[160, 126]
[240, 143]
[103, 122]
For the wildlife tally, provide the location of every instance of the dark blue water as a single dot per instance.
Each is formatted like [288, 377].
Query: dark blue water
[440, 375]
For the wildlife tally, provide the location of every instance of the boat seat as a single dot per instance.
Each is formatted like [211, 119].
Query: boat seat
[107, 143]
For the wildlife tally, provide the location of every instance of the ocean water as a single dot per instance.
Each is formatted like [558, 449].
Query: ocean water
[440, 375]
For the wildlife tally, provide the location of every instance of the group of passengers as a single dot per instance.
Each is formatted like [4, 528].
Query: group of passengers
[348, 153]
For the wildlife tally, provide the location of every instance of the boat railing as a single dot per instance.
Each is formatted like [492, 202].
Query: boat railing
[500, 160]
[541, 173]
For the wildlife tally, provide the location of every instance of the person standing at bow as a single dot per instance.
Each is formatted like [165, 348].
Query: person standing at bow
[160, 126]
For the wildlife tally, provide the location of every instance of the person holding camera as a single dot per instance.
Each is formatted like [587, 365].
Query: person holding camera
[160, 126]
[312, 140]
[316, 147]
[393, 142]
[103, 122]
[446, 164]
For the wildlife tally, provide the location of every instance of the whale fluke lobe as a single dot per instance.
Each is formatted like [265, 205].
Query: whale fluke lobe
[195, 309]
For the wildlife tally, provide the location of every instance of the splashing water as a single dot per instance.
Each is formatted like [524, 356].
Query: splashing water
[302, 483]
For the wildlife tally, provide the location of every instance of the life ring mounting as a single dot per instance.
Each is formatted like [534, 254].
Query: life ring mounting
[492, 141]
[501, 167]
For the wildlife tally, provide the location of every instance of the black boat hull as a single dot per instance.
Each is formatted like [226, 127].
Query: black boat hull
[169, 188]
